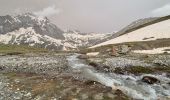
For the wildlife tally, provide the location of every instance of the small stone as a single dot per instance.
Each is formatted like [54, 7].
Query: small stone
[111, 95]
[28, 94]
[93, 64]
[118, 92]
[74, 99]
[98, 96]
[17, 81]
[168, 83]
[91, 82]
[168, 75]
[84, 96]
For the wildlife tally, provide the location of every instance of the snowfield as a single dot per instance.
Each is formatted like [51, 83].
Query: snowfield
[155, 31]
[27, 35]
[92, 54]
[154, 51]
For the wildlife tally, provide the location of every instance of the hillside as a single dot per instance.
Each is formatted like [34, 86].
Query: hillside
[152, 34]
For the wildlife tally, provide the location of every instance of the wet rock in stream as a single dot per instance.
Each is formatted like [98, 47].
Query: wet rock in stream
[150, 80]
[149, 76]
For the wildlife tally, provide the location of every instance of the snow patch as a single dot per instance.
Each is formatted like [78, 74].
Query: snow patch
[92, 54]
[159, 30]
[153, 51]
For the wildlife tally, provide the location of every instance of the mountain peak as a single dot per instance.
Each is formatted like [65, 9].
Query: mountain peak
[40, 24]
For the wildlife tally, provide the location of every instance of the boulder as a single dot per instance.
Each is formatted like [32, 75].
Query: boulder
[168, 83]
[2, 68]
[93, 64]
[168, 75]
[150, 80]
[82, 57]
[118, 92]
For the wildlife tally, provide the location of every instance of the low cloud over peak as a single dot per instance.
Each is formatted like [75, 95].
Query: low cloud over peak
[49, 11]
[162, 11]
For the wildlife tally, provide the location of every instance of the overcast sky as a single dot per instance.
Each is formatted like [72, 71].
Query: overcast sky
[89, 15]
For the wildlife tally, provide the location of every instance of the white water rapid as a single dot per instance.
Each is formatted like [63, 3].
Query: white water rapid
[129, 84]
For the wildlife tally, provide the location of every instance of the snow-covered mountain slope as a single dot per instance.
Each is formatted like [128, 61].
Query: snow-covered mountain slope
[41, 25]
[132, 26]
[72, 41]
[28, 36]
[31, 30]
[28, 29]
[77, 39]
[159, 30]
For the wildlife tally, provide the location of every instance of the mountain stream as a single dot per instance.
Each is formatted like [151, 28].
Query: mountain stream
[131, 85]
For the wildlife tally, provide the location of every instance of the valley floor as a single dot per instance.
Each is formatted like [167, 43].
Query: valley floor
[48, 77]
[64, 76]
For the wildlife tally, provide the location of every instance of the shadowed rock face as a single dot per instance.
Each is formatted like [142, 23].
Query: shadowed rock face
[40, 24]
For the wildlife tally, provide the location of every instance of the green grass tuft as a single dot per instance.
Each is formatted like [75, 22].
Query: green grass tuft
[19, 49]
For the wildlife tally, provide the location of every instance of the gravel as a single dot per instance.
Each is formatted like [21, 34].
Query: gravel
[31, 77]
[6, 93]
[148, 61]
[39, 64]
[125, 62]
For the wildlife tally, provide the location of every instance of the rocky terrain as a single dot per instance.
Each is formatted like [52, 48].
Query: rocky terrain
[48, 77]
[138, 61]
[131, 72]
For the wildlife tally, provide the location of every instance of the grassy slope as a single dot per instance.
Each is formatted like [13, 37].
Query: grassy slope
[5, 49]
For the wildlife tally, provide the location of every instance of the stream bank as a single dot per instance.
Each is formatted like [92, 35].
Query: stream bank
[133, 77]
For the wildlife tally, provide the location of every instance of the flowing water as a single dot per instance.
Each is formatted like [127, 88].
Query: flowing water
[129, 84]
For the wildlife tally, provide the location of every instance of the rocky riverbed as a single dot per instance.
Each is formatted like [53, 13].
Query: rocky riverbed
[139, 76]
[132, 64]
[48, 77]
[63, 76]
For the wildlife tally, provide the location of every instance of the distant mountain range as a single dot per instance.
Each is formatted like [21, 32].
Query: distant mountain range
[31, 30]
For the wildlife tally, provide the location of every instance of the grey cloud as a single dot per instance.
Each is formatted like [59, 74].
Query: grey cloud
[49, 11]
[87, 15]
[162, 11]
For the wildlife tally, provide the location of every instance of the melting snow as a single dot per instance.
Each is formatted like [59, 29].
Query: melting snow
[153, 51]
[159, 30]
[92, 53]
